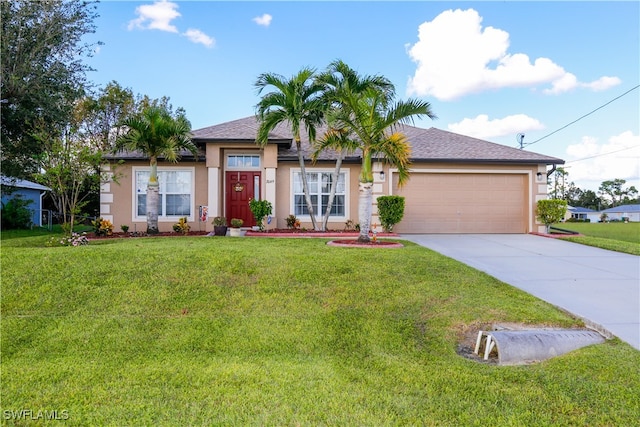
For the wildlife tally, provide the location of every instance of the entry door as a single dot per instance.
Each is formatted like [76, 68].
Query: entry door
[239, 188]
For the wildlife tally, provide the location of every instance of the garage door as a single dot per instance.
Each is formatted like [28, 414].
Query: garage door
[463, 203]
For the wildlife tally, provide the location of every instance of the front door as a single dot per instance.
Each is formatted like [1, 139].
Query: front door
[239, 188]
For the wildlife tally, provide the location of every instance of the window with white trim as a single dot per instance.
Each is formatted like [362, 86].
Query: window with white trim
[176, 193]
[319, 190]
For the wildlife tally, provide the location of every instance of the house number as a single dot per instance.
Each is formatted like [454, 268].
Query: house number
[271, 181]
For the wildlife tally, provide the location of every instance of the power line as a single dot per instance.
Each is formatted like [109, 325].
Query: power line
[601, 154]
[582, 117]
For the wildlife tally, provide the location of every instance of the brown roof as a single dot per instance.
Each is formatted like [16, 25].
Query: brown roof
[427, 144]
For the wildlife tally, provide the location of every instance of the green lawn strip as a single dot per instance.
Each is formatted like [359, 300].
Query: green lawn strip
[614, 236]
[626, 232]
[610, 244]
[193, 331]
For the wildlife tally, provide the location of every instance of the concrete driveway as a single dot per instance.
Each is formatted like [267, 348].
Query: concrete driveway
[601, 287]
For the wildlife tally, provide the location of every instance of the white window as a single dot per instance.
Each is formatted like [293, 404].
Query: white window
[176, 193]
[319, 190]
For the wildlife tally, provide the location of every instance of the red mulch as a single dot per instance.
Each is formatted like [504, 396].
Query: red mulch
[120, 235]
[353, 243]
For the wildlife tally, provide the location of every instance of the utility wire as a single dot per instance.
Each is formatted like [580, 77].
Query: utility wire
[580, 118]
[601, 154]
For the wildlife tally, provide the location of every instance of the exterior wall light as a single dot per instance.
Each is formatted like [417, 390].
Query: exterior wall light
[381, 175]
[539, 176]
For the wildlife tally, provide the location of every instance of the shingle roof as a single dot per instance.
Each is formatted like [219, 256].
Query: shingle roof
[22, 183]
[427, 144]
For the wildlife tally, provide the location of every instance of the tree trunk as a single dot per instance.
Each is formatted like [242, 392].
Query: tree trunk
[365, 199]
[153, 198]
[332, 194]
[305, 185]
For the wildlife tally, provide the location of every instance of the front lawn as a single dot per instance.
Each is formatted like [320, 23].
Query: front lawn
[246, 331]
[615, 236]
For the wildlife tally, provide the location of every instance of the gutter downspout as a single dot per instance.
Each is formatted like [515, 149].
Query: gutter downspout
[553, 169]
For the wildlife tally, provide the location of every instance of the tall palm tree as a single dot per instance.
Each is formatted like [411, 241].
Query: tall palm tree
[365, 110]
[298, 102]
[340, 81]
[156, 133]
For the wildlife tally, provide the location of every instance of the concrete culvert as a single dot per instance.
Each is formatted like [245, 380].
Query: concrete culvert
[527, 346]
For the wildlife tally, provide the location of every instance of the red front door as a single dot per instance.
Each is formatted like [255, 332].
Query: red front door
[239, 188]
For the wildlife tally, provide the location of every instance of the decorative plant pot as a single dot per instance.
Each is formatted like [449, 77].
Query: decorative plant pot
[255, 228]
[220, 230]
[235, 232]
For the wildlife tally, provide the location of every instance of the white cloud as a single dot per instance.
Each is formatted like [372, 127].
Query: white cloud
[264, 20]
[593, 163]
[454, 56]
[603, 83]
[483, 128]
[156, 16]
[198, 36]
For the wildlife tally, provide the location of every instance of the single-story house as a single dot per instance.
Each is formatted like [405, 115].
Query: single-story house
[25, 190]
[583, 214]
[623, 211]
[458, 184]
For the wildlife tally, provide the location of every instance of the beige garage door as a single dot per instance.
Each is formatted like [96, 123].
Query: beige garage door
[463, 203]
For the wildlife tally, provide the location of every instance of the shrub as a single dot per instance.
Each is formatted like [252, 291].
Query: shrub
[15, 214]
[219, 221]
[351, 225]
[124, 228]
[260, 209]
[236, 222]
[292, 222]
[182, 226]
[390, 211]
[551, 211]
[102, 227]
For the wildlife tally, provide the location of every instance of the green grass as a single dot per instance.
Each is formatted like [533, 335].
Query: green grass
[241, 331]
[614, 236]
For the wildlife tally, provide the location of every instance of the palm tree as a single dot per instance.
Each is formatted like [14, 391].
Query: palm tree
[156, 133]
[297, 101]
[365, 111]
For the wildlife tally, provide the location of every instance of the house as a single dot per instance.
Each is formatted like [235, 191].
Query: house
[583, 214]
[632, 212]
[458, 184]
[25, 190]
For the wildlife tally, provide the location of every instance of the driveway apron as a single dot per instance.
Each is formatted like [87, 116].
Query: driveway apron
[601, 287]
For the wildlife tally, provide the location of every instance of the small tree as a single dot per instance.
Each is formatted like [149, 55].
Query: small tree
[390, 210]
[260, 209]
[551, 211]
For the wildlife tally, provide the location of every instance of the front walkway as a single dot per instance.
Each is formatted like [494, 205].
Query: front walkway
[602, 287]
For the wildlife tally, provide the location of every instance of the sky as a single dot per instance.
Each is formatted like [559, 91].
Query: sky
[564, 74]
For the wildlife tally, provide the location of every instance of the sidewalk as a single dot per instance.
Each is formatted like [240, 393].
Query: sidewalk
[601, 287]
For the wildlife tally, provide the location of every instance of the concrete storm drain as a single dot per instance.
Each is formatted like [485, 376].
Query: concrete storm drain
[520, 347]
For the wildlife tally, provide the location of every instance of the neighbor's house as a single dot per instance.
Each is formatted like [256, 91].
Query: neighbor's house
[632, 212]
[25, 190]
[457, 184]
[582, 214]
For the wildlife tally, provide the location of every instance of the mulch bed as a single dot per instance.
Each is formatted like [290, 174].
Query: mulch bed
[354, 243]
[127, 235]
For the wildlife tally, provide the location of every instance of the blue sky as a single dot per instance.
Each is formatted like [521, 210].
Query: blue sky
[490, 70]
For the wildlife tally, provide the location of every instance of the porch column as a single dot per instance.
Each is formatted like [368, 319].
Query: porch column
[213, 192]
[270, 192]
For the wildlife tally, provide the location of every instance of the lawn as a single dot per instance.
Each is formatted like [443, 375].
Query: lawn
[243, 331]
[615, 236]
